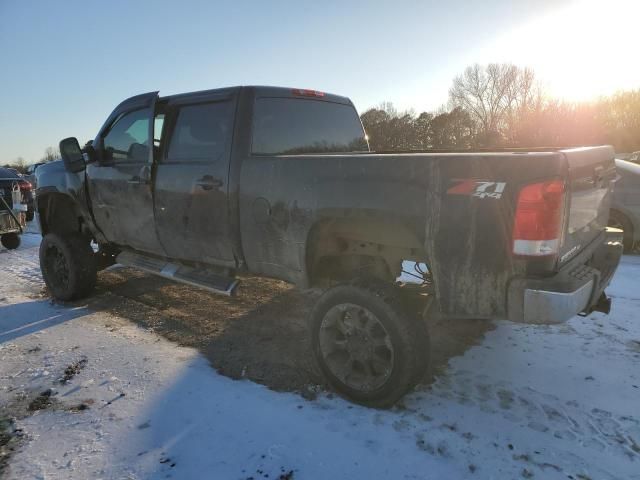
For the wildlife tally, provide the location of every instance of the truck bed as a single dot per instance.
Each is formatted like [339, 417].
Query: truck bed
[466, 238]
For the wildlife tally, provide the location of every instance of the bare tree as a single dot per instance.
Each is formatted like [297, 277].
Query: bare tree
[619, 115]
[50, 154]
[20, 164]
[496, 96]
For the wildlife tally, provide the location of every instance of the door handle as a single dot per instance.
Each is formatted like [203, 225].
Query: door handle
[208, 182]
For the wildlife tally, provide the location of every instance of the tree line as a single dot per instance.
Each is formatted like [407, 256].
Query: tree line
[496, 106]
[504, 106]
[20, 164]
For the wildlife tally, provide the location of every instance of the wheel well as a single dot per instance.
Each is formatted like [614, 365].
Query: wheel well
[341, 249]
[59, 214]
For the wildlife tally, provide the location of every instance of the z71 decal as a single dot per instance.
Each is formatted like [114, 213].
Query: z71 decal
[477, 188]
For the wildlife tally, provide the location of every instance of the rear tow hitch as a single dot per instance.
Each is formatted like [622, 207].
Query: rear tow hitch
[602, 305]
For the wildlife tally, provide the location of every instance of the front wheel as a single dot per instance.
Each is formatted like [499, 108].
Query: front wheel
[68, 265]
[369, 348]
[10, 241]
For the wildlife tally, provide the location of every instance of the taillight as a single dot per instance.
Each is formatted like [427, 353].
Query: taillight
[303, 92]
[539, 219]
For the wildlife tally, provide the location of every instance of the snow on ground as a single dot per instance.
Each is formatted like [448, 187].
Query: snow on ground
[528, 402]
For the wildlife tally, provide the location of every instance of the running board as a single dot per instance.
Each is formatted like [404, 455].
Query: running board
[198, 277]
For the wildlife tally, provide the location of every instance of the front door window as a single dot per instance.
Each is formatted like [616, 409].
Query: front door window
[128, 138]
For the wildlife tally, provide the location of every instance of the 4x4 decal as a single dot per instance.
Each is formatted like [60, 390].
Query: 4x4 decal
[477, 188]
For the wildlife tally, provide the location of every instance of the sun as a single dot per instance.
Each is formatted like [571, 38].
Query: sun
[580, 51]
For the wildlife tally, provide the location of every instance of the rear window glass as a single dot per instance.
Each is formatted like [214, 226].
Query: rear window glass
[290, 126]
[202, 132]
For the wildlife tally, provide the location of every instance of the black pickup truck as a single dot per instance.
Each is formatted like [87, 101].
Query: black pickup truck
[203, 187]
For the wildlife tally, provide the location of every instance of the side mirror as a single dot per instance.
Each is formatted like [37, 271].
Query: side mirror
[72, 155]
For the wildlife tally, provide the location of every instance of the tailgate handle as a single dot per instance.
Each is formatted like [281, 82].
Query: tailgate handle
[208, 182]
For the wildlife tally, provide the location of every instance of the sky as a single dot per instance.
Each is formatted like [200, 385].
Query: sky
[65, 65]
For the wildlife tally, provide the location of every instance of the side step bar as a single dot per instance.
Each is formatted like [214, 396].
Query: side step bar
[198, 277]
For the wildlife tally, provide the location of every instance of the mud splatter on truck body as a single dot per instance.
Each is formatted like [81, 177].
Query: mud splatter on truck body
[280, 183]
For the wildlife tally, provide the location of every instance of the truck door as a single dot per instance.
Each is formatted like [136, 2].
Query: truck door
[192, 208]
[119, 182]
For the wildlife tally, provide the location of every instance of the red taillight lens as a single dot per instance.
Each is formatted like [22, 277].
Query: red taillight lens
[539, 218]
[303, 92]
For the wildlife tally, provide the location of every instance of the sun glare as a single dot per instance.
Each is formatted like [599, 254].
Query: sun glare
[579, 52]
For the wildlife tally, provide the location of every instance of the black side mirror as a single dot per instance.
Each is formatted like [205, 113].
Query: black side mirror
[72, 155]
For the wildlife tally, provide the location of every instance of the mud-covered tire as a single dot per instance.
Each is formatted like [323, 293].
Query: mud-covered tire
[68, 266]
[620, 220]
[405, 334]
[10, 241]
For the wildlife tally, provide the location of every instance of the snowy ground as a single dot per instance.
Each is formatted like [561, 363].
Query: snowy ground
[528, 402]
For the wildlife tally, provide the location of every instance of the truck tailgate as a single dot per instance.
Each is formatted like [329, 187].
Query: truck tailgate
[591, 174]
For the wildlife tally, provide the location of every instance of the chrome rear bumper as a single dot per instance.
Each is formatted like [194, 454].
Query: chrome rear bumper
[542, 306]
[577, 289]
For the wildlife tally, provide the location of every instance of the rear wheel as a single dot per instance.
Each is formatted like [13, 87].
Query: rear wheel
[367, 345]
[68, 265]
[30, 214]
[10, 241]
[620, 220]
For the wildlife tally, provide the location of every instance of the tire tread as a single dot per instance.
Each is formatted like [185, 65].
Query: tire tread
[411, 331]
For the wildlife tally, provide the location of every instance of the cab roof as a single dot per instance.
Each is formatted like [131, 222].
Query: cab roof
[267, 91]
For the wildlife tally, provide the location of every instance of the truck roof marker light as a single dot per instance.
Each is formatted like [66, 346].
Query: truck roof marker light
[539, 219]
[304, 92]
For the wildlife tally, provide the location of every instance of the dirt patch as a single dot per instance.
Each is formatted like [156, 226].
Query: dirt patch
[72, 370]
[9, 439]
[452, 338]
[261, 334]
[41, 402]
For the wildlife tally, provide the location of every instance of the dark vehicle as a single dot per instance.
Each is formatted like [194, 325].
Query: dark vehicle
[25, 188]
[206, 186]
[30, 173]
[12, 209]
[625, 205]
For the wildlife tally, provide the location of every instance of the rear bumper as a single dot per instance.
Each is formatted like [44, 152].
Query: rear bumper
[577, 289]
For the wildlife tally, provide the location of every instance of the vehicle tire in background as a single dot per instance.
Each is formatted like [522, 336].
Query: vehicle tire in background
[68, 265]
[29, 215]
[620, 220]
[369, 348]
[10, 241]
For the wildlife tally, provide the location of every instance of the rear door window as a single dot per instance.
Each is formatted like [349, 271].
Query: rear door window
[296, 126]
[202, 133]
